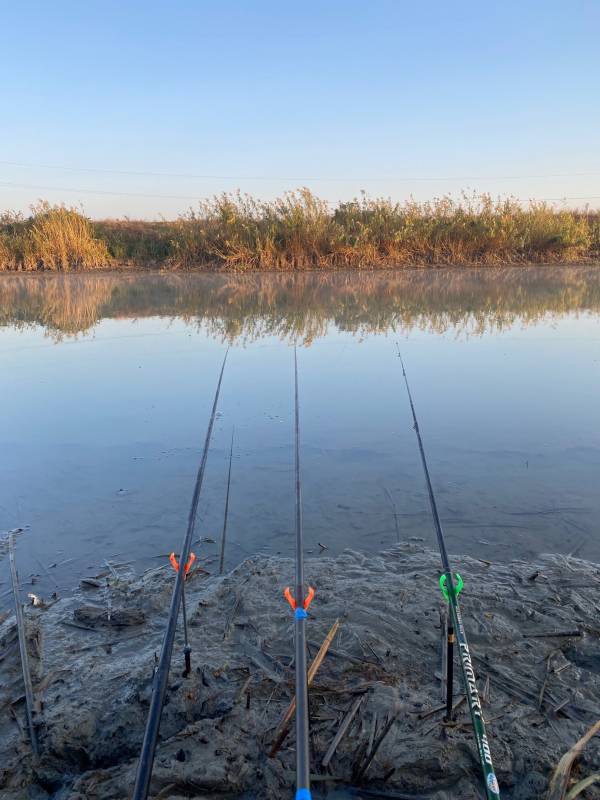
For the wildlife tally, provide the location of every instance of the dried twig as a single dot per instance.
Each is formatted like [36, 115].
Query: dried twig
[342, 730]
[243, 688]
[451, 724]
[234, 609]
[372, 735]
[486, 690]
[284, 726]
[579, 787]
[431, 712]
[343, 656]
[546, 676]
[560, 778]
[386, 729]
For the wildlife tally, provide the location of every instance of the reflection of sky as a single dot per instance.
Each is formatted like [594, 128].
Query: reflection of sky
[143, 380]
[511, 423]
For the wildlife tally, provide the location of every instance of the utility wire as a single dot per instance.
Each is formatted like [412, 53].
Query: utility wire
[203, 176]
[97, 191]
[196, 198]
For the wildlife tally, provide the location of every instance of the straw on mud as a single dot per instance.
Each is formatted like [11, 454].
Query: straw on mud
[284, 726]
[373, 748]
[23, 646]
[560, 779]
[346, 722]
[584, 784]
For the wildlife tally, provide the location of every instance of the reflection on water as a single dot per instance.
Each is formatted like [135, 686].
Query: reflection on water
[107, 382]
[303, 305]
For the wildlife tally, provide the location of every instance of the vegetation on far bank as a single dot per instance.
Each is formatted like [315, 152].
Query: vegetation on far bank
[300, 231]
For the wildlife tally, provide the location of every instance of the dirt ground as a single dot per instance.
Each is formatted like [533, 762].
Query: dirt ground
[533, 629]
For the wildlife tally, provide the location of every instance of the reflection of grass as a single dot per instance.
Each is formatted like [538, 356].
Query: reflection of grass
[300, 231]
[303, 305]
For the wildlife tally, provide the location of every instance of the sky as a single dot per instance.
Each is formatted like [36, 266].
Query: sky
[141, 109]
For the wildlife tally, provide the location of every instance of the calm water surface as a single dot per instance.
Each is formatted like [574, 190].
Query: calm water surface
[107, 383]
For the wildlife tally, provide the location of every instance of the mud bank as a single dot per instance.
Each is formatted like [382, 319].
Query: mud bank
[534, 631]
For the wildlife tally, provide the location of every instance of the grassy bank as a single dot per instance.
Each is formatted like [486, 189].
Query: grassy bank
[300, 231]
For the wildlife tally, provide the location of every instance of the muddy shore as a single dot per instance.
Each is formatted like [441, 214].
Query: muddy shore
[534, 631]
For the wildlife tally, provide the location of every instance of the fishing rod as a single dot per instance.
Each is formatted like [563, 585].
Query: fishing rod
[224, 536]
[22, 637]
[300, 604]
[161, 674]
[451, 591]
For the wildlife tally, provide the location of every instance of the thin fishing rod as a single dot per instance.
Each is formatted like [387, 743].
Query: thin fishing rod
[22, 637]
[161, 675]
[224, 536]
[451, 592]
[302, 745]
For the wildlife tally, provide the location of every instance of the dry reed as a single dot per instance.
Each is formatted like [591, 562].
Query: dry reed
[300, 231]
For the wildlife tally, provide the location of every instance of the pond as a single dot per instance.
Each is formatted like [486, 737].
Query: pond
[108, 380]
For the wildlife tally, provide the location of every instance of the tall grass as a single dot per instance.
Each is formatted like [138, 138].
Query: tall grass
[136, 242]
[300, 231]
[52, 237]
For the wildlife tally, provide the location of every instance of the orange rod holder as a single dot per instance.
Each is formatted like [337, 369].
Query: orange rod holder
[187, 650]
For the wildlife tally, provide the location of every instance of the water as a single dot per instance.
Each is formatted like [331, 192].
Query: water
[107, 383]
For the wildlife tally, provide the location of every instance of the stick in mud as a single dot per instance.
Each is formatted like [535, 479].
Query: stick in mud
[451, 592]
[23, 647]
[342, 730]
[224, 536]
[374, 748]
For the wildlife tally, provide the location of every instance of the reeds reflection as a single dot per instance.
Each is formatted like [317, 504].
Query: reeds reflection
[302, 306]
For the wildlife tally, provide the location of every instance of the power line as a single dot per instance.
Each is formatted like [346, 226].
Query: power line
[560, 199]
[97, 191]
[73, 190]
[26, 165]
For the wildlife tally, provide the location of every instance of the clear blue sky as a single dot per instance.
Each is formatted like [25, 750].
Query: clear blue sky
[266, 96]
